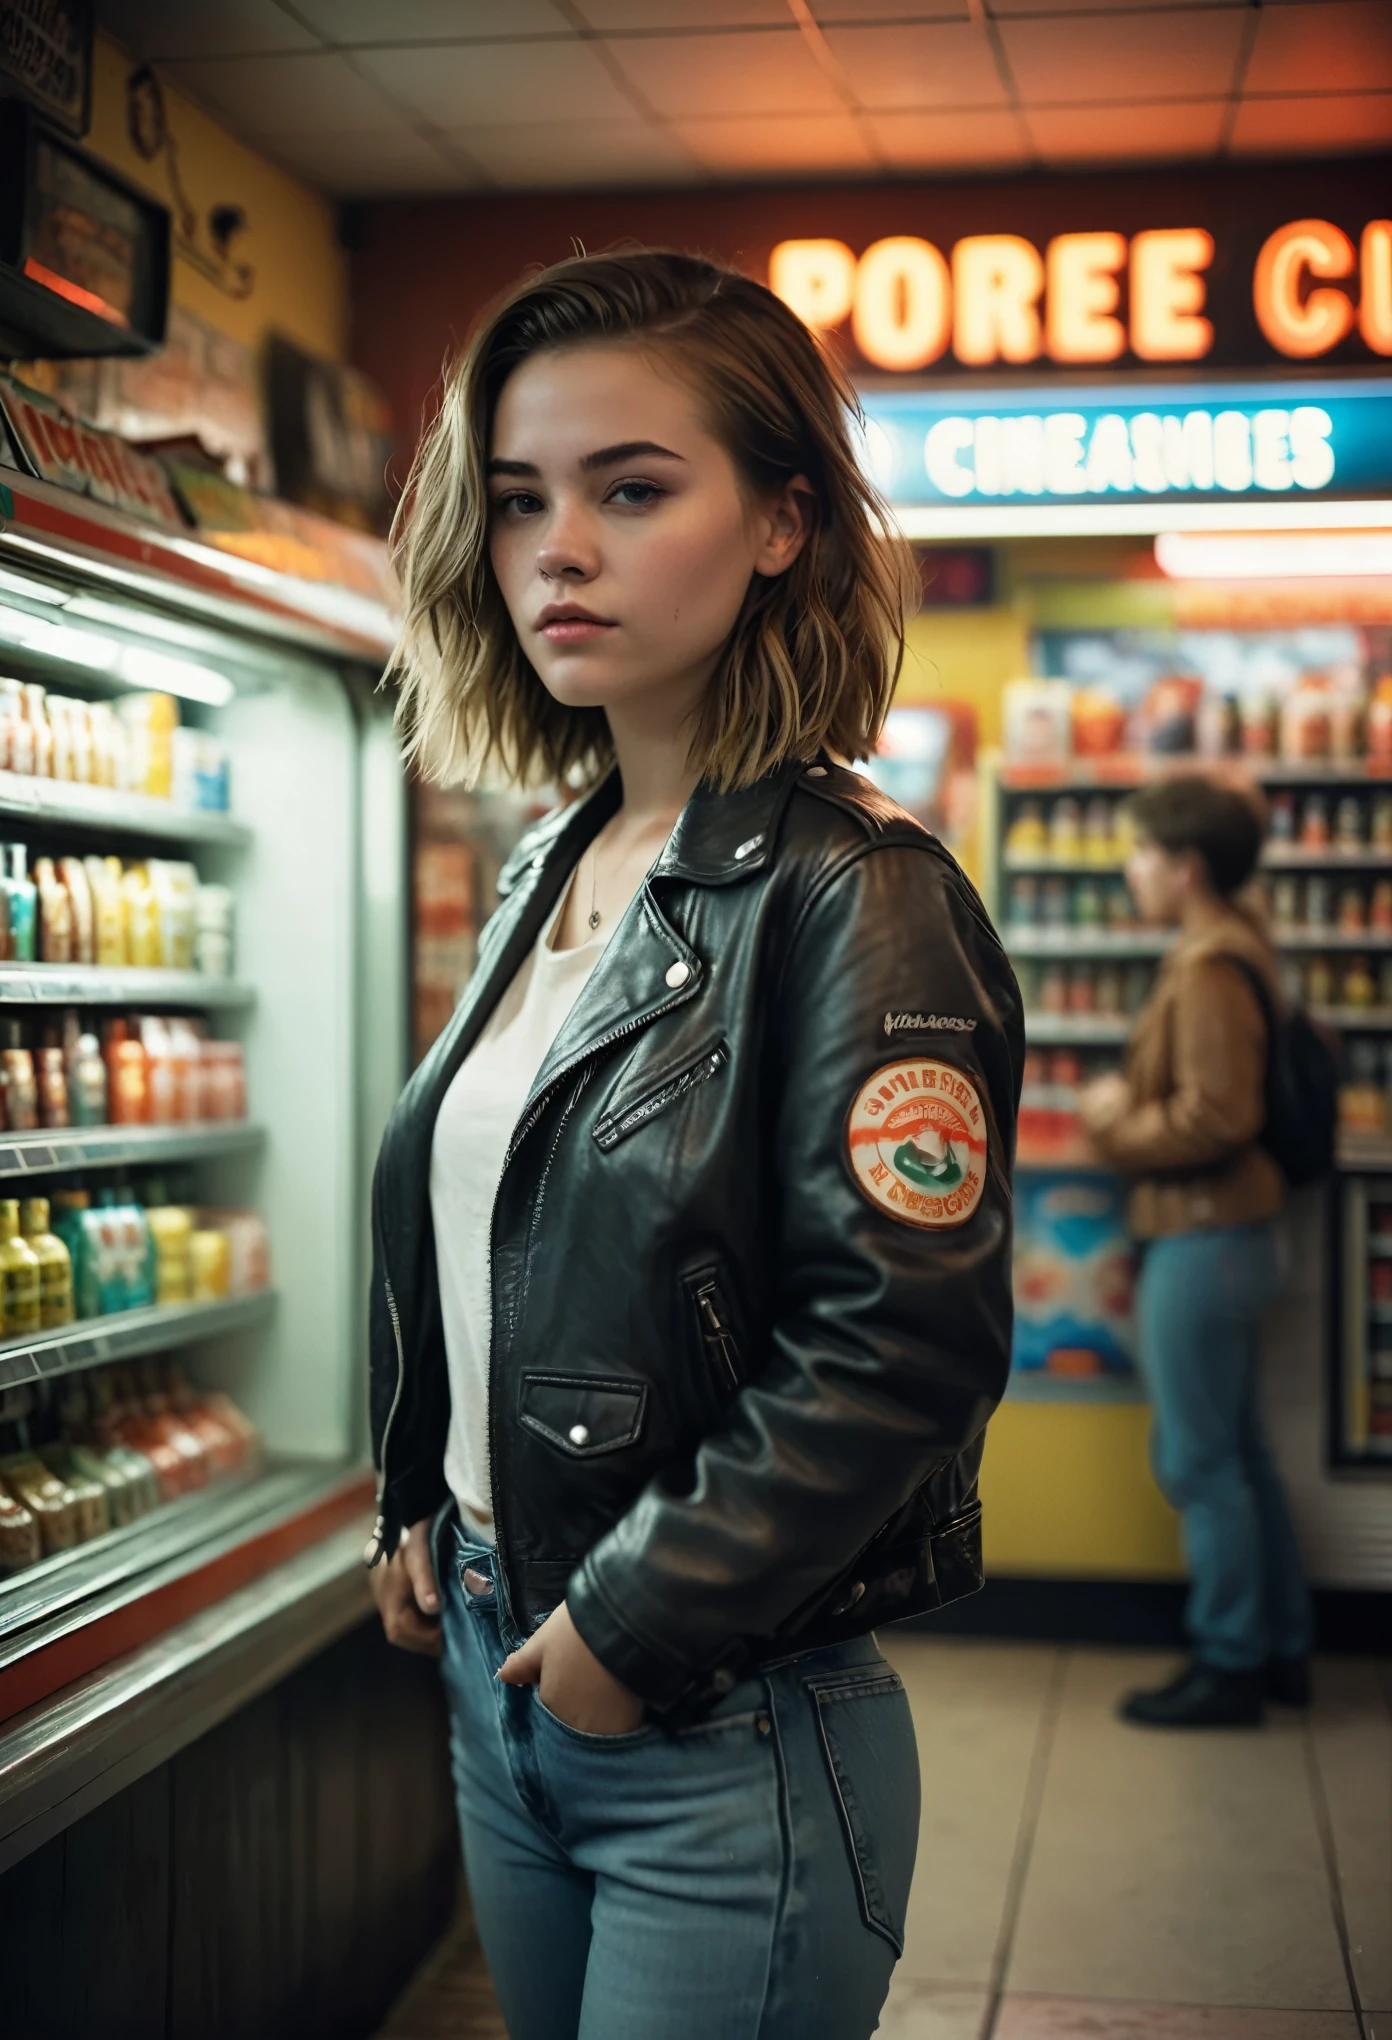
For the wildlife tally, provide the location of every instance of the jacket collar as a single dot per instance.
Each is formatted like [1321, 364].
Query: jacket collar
[724, 836]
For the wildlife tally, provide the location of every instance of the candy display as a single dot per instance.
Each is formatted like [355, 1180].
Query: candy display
[1069, 830]
[99, 1451]
[1075, 1271]
[136, 745]
[150, 913]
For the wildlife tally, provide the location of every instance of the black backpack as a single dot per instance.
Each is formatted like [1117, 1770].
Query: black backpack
[1302, 1085]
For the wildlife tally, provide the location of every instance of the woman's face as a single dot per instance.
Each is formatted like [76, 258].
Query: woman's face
[621, 535]
[1160, 882]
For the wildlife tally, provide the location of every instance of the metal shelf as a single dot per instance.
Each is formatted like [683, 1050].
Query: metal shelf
[1358, 1019]
[128, 1335]
[78, 984]
[1291, 857]
[23, 798]
[1329, 938]
[1044, 866]
[1122, 771]
[1081, 943]
[1076, 1030]
[119, 1147]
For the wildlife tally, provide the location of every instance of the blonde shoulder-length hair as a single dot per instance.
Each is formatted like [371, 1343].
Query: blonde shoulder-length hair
[815, 652]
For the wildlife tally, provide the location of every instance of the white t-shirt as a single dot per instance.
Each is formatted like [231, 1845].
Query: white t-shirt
[476, 1122]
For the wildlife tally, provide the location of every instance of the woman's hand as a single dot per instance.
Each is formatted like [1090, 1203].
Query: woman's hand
[1104, 1101]
[574, 1685]
[407, 1598]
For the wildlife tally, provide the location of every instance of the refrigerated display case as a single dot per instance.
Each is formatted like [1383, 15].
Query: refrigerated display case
[221, 1246]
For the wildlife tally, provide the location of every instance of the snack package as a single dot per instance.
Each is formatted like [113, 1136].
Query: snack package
[171, 1229]
[248, 1248]
[73, 873]
[1038, 721]
[51, 1501]
[143, 947]
[175, 888]
[149, 721]
[210, 1265]
[93, 1503]
[20, 1541]
[108, 911]
[214, 931]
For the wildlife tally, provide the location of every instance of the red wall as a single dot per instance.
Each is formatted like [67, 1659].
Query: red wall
[422, 269]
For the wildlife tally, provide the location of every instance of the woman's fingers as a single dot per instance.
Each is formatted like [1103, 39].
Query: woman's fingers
[523, 1668]
[400, 1588]
[415, 1549]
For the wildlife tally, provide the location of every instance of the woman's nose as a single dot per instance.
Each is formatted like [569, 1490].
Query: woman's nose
[567, 549]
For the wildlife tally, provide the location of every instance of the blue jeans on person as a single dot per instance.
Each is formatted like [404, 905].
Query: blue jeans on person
[745, 1878]
[1200, 1303]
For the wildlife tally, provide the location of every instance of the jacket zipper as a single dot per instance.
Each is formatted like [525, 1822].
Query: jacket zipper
[658, 1100]
[377, 1542]
[719, 1341]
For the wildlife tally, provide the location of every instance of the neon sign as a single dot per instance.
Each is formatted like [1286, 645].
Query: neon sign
[1254, 440]
[1086, 298]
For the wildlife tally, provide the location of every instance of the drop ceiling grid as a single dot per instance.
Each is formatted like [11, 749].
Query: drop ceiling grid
[376, 97]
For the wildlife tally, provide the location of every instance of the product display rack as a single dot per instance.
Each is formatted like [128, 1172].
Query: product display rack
[283, 677]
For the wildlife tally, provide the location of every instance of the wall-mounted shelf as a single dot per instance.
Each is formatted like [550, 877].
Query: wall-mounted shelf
[77, 984]
[1117, 773]
[1275, 857]
[122, 1147]
[128, 1335]
[1331, 939]
[1081, 943]
[1372, 1152]
[1357, 1019]
[26, 799]
[1076, 1030]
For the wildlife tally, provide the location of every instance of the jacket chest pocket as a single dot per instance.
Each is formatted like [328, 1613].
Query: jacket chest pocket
[709, 1311]
[617, 1124]
[582, 1415]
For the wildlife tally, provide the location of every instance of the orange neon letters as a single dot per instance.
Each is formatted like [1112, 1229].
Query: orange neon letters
[817, 279]
[903, 303]
[996, 284]
[1167, 294]
[1309, 324]
[1081, 296]
[1375, 286]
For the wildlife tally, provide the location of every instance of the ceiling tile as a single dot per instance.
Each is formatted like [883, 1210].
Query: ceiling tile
[940, 141]
[371, 21]
[948, 65]
[778, 148]
[831, 13]
[154, 29]
[1341, 121]
[376, 165]
[1003, 10]
[1120, 134]
[678, 14]
[1340, 46]
[497, 82]
[1106, 58]
[576, 155]
[287, 95]
[713, 75]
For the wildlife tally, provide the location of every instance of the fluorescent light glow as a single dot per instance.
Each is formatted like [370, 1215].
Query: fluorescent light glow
[1259, 556]
[138, 666]
[58, 641]
[958, 523]
[31, 591]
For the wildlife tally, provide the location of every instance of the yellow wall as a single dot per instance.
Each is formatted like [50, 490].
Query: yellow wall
[965, 655]
[301, 274]
[1067, 1492]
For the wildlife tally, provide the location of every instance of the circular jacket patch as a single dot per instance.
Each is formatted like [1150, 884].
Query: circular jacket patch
[916, 1143]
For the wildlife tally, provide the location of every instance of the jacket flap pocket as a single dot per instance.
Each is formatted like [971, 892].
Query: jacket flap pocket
[582, 1415]
[655, 1091]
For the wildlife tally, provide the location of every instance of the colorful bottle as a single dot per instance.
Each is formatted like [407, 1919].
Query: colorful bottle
[55, 1265]
[20, 1310]
[23, 899]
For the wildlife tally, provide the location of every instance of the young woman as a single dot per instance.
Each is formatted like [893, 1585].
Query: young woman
[1184, 1121]
[692, 1232]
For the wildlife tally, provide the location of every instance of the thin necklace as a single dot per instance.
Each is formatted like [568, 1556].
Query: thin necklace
[594, 886]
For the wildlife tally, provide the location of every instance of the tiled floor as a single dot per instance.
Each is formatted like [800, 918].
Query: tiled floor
[1079, 1880]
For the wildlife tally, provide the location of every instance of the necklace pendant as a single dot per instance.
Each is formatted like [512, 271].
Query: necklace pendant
[594, 917]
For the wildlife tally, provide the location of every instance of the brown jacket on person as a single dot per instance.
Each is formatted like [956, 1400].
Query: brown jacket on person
[1196, 1073]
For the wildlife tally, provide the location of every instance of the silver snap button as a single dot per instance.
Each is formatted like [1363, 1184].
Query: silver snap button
[677, 975]
[747, 849]
[537, 863]
[816, 772]
[579, 1434]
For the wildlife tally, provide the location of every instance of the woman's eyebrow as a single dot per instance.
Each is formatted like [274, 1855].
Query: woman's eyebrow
[605, 456]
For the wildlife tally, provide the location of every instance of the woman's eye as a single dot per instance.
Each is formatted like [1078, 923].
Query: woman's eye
[635, 495]
[519, 504]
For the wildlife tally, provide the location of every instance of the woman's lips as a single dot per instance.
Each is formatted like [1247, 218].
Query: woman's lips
[573, 630]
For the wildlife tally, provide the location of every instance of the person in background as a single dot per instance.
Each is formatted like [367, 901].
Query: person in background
[1184, 1122]
[692, 1232]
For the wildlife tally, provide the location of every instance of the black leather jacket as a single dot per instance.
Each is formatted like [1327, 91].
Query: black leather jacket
[751, 1245]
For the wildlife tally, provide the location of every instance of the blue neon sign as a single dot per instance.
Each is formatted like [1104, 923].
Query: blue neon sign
[1075, 445]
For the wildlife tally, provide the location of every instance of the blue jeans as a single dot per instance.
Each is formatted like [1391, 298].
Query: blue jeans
[743, 1879]
[1201, 1298]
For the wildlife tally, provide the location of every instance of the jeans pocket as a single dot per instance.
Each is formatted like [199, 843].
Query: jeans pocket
[627, 1739]
[860, 1720]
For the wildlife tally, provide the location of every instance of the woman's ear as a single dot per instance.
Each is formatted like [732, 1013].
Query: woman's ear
[785, 524]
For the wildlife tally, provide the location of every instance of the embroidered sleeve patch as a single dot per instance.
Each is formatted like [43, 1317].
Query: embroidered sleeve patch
[916, 1143]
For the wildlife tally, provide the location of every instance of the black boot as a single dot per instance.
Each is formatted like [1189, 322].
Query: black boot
[1201, 1697]
[1288, 1681]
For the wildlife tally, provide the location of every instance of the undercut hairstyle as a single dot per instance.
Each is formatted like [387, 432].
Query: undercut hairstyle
[1224, 825]
[815, 652]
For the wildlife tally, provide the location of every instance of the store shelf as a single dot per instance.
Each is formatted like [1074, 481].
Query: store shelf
[1380, 1247]
[128, 1335]
[76, 984]
[113, 814]
[1076, 1030]
[1358, 1019]
[1035, 1384]
[1291, 857]
[120, 1147]
[1115, 774]
[1068, 943]
[1044, 866]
